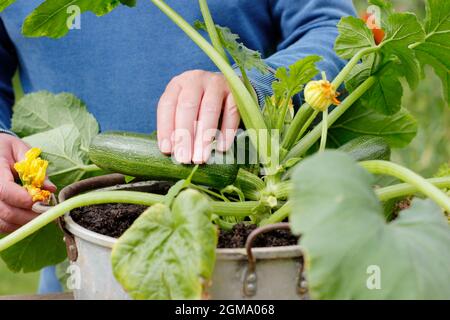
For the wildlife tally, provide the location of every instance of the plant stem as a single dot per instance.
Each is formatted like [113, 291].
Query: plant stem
[340, 78]
[282, 115]
[406, 175]
[307, 124]
[323, 138]
[308, 141]
[303, 114]
[248, 84]
[212, 30]
[234, 209]
[405, 189]
[248, 109]
[278, 215]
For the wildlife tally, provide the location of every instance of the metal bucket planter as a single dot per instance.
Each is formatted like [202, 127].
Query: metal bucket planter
[248, 273]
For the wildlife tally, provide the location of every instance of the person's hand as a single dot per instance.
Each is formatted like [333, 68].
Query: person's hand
[15, 202]
[188, 116]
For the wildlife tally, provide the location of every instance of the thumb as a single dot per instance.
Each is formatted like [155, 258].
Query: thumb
[19, 149]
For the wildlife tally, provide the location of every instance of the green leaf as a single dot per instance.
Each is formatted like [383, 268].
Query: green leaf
[43, 111]
[51, 18]
[290, 82]
[129, 3]
[403, 30]
[43, 248]
[62, 148]
[345, 238]
[385, 96]
[5, 3]
[398, 130]
[435, 50]
[168, 253]
[354, 35]
[244, 57]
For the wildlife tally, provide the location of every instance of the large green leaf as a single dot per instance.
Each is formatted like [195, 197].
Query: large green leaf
[435, 50]
[62, 148]
[403, 30]
[351, 251]
[385, 96]
[398, 130]
[168, 253]
[43, 248]
[5, 3]
[42, 111]
[50, 19]
[354, 35]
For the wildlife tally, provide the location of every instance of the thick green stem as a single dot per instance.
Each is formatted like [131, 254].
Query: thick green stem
[340, 78]
[307, 124]
[308, 140]
[248, 108]
[323, 137]
[278, 215]
[235, 209]
[300, 118]
[406, 189]
[408, 176]
[248, 84]
[212, 30]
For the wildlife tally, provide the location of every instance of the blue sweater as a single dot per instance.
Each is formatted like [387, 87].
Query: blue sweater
[119, 64]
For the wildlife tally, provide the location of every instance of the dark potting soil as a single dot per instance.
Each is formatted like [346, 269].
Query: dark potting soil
[111, 219]
[236, 237]
[114, 219]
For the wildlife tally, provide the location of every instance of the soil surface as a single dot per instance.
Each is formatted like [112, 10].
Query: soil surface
[238, 235]
[114, 219]
[107, 219]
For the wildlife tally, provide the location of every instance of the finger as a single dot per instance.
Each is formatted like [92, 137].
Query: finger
[230, 124]
[48, 185]
[166, 116]
[13, 194]
[208, 121]
[185, 118]
[5, 171]
[6, 227]
[16, 216]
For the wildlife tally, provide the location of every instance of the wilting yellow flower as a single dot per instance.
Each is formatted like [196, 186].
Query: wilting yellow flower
[32, 171]
[321, 94]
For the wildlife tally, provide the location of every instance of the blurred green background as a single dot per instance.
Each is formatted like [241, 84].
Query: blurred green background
[427, 152]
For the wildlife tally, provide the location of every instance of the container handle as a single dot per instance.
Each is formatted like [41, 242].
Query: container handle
[250, 280]
[71, 247]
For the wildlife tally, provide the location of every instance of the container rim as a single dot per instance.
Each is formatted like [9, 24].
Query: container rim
[222, 254]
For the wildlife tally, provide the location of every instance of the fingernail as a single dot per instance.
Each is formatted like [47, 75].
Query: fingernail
[165, 146]
[182, 155]
[198, 156]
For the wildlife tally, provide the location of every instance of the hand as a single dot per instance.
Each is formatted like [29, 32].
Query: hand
[188, 116]
[15, 202]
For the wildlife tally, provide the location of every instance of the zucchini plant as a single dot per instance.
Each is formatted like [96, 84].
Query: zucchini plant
[328, 197]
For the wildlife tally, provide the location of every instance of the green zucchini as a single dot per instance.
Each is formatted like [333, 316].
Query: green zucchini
[138, 155]
[367, 148]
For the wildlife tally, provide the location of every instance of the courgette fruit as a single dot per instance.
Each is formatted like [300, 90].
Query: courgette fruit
[138, 155]
[367, 148]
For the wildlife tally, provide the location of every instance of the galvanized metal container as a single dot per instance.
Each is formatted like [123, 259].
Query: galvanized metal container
[248, 273]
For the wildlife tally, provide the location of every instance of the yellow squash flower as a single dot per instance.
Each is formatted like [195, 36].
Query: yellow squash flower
[320, 95]
[32, 172]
